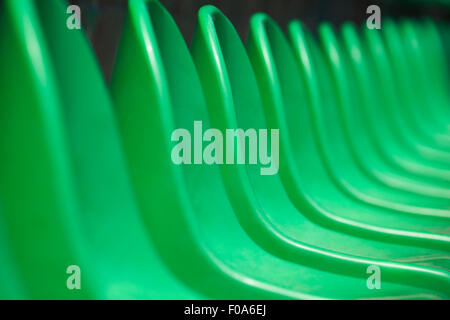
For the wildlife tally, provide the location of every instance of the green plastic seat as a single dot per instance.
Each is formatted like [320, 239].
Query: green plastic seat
[224, 99]
[405, 151]
[156, 89]
[90, 181]
[302, 199]
[435, 46]
[345, 142]
[265, 212]
[12, 286]
[431, 49]
[429, 106]
[413, 106]
[214, 248]
[371, 133]
[375, 107]
[11, 282]
[33, 144]
[325, 215]
[431, 45]
[79, 208]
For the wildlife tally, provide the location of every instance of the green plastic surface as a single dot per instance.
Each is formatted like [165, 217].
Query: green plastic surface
[87, 177]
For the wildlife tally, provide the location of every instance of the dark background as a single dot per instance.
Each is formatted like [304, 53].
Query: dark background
[102, 19]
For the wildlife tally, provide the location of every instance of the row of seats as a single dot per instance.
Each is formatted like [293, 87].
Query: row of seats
[87, 178]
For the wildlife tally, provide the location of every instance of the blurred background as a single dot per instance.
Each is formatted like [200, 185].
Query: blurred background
[103, 19]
